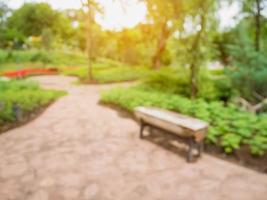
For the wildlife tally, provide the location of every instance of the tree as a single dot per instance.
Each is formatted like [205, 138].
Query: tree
[3, 12]
[47, 38]
[249, 74]
[3, 15]
[166, 16]
[200, 14]
[174, 16]
[35, 19]
[254, 8]
[32, 18]
[91, 8]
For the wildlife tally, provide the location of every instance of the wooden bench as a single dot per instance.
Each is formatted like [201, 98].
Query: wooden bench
[190, 130]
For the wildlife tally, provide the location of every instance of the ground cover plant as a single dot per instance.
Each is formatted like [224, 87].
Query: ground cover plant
[26, 96]
[230, 127]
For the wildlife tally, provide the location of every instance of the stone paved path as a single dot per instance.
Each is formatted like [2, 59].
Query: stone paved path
[80, 150]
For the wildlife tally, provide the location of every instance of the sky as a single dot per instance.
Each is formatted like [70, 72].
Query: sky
[117, 17]
[227, 15]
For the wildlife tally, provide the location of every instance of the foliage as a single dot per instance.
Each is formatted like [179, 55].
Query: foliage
[166, 16]
[246, 66]
[242, 35]
[229, 127]
[47, 38]
[31, 18]
[58, 58]
[27, 95]
[176, 81]
[34, 20]
[3, 14]
[249, 74]
[170, 80]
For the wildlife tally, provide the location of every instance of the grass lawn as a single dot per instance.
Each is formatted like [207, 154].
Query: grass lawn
[71, 63]
[109, 74]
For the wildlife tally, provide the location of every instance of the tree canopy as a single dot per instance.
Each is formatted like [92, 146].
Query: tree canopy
[175, 33]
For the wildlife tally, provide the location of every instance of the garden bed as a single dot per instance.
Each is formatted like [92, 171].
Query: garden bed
[21, 101]
[241, 157]
[26, 118]
[234, 135]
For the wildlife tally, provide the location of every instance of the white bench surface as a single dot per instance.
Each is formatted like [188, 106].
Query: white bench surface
[172, 117]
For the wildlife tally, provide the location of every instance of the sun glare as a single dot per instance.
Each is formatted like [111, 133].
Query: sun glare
[115, 17]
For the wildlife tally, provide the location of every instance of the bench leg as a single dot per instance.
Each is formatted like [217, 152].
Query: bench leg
[200, 147]
[142, 129]
[190, 155]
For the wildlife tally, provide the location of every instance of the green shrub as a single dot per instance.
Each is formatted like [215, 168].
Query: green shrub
[170, 80]
[58, 58]
[16, 56]
[176, 81]
[249, 74]
[68, 58]
[224, 89]
[229, 127]
[41, 57]
[27, 95]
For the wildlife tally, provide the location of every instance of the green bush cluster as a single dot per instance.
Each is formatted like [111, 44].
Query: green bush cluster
[229, 127]
[177, 81]
[58, 58]
[249, 74]
[171, 80]
[27, 95]
[43, 57]
[21, 56]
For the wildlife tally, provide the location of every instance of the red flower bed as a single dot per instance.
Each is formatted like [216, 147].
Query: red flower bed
[29, 72]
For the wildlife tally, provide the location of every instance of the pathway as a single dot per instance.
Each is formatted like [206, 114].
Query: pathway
[80, 150]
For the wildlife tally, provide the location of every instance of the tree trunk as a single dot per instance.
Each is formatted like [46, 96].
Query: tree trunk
[161, 45]
[193, 80]
[89, 42]
[195, 56]
[258, 25]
